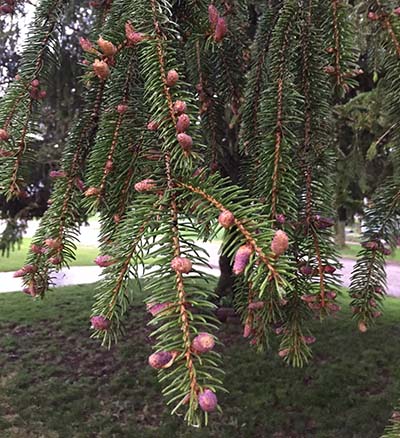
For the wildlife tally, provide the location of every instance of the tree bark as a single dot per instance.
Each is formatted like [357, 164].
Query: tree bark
[340, 238]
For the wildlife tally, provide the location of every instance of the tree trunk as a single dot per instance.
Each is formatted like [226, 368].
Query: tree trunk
[340, 238]
[225, 282]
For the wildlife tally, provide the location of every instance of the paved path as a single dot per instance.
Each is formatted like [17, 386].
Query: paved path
[91, 274]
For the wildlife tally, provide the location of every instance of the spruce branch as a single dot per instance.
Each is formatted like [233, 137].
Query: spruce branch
[250, 239]
[256, 79]
[22, 98]
[387, 25]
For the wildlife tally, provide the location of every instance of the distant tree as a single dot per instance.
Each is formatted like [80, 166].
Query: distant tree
[61, 100]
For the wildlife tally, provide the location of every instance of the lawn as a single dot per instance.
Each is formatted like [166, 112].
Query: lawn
[57, 382]
[84, 257]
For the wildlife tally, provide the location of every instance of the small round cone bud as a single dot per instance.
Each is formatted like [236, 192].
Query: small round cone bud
[31, 290]
[100, 322]
[57, 174]
[226, 219]
[103, 261]
[4, 136]
[122, 108]
[309, 339]
[203, 343]
[55, 260]
[53, 243]
[146, 185]
[132, 36]
[247, 330]
[220, 29]
[323, 222]
[314, 306]
[280, 243]
[329, 269]
[373, 16]
[19, 273]
[242, 258]
[208, 401]
[92, 191]
[109, 166]
[161, 359]
[152, 126]
[180, 107]
[79, 184]
[280, 218]
[42, 94]
[333, 307]
[306, 270]
[107, 47]
[256, 305]
[34, 93]
[372, 245]
[30, 269]
[35, 83]
[37, 249]
[283, 353]
[4, 153]
[362, 327]
[156, 308]
[7, 9]
[331, 294]
[182, 265]
[183, 123]
[172, 78]
[329, 69]
[213, 15]
[185, 141]
[86, 44]
[101, 69]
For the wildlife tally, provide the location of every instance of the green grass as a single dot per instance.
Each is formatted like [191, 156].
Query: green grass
[351, 251]
[84, 257]
[57, 382]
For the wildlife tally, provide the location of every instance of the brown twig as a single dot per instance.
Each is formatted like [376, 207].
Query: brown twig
[388, 25]
[174, 215]
[279, 120]
[245, 232]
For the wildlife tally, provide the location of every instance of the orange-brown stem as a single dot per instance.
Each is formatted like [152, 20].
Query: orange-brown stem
[13, 188]
[239, 225]
[388, 25]
[320, 268]
[125, 268]
[184, 316]
[72, 171]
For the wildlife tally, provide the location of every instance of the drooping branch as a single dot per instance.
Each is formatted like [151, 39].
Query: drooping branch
[240, 226]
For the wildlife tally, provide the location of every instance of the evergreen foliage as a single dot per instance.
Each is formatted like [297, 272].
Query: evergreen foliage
[190, 121]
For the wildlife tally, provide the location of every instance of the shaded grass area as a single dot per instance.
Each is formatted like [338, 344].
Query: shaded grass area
[84, 256]
[351, 251]
[57, 382]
